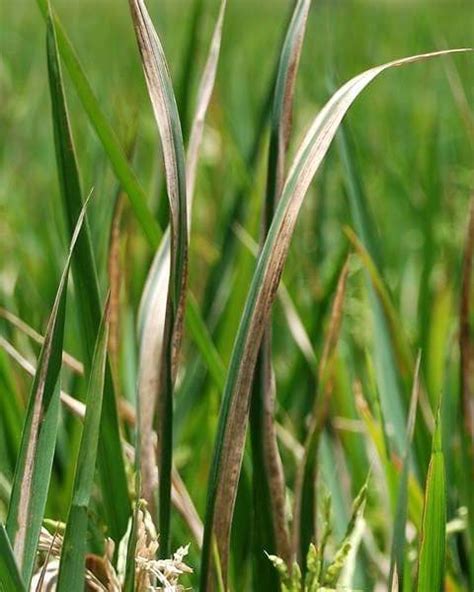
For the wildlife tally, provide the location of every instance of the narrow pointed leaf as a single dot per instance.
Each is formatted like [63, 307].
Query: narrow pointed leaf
[206, 86]
[72, 566]
[166, 115]
[229, 445]
[104, 131]
[431, 562]
[397, 560]
[271, 529]
[35, 460]
[112, 466]
[153, 306]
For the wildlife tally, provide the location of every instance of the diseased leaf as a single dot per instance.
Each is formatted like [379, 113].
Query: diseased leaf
[206, 86]
[271, 529]
[229, 445]
[166, 115]
[154, 307]
[35, 459]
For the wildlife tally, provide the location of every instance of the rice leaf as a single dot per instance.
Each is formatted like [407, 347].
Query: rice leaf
[271, 529]
[111, 464]
[107, 137]
[153, 307]
[104, 130]
[10, 579]
[397, 559]
[72, 565]
[229, 445]
[35, 459]
[166, 115]
[431, 561]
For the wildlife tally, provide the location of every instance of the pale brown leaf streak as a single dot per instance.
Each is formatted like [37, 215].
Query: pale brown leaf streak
[282, 115]
[37, 414]
[153, 305]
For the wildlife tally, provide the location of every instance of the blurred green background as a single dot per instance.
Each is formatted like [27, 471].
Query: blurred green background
[413, 137]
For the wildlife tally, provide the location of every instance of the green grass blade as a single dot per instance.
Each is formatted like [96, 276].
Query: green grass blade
[35, 459]
[10, 579]
[166, 114]
[111, 464]
[83, 264]
[232, 426]
[270, 528]
[105, 132]
[71, 572]
[397, 559]
[431, 562]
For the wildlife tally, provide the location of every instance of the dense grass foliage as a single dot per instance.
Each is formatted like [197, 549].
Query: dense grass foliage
[275, 370]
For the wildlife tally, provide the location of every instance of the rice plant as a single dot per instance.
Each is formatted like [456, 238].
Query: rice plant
[225, 363]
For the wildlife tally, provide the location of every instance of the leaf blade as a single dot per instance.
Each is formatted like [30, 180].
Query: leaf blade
[431, 560]
[71, 570]
[10, 579]
[228, 449]
[104, 131]
[163, 101]
[112, 466]
[35, 459]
